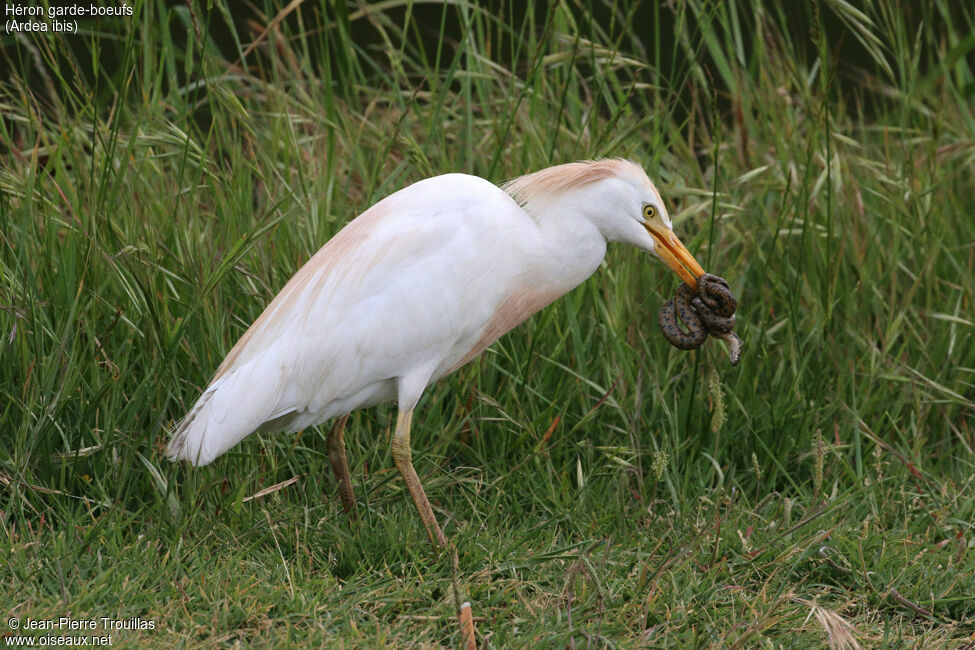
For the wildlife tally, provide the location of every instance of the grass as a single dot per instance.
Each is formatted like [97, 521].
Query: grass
[163, 175]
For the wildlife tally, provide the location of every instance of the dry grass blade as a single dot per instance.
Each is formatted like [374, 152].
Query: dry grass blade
[274, 488]
[840, 634]
[467, 626]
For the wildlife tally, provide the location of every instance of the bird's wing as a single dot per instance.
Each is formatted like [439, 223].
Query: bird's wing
[411, 278]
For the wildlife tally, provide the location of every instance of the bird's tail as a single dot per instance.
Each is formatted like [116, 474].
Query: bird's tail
[230, 409]
[187, 438]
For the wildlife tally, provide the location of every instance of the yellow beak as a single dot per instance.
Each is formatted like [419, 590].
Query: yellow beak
[675, 254]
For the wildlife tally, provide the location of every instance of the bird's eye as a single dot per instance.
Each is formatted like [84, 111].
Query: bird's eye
[649, 212]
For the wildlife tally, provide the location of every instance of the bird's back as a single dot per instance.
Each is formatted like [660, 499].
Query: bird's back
[427, 277]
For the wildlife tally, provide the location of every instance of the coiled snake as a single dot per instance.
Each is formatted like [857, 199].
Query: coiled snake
[709, 311]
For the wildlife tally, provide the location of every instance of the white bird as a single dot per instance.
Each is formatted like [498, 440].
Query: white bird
[411, 290]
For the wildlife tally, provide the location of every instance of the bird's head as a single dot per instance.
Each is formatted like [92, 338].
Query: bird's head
[656, 235]
[629, 209]
[618, 198]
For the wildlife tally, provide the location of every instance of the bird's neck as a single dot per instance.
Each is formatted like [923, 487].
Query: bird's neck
[571, 247]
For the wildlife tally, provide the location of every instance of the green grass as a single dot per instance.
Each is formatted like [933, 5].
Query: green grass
[162, 176]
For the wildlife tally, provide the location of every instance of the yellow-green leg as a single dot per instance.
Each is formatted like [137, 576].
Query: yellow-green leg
[403, 456]
[340, 465]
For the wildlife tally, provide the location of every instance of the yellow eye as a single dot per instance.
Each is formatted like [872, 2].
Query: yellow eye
[649, 212]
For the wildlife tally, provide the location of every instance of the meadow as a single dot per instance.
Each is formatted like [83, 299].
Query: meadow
[163, 175]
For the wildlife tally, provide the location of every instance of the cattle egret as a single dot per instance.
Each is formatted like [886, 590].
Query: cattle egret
[411, 290]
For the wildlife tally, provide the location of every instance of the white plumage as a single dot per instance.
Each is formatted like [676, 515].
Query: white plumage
[415, 287]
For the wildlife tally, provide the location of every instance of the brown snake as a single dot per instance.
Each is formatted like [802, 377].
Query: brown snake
[709, 311]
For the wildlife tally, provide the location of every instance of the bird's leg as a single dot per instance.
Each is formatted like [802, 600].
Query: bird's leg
[403, 456]
[340, 465]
